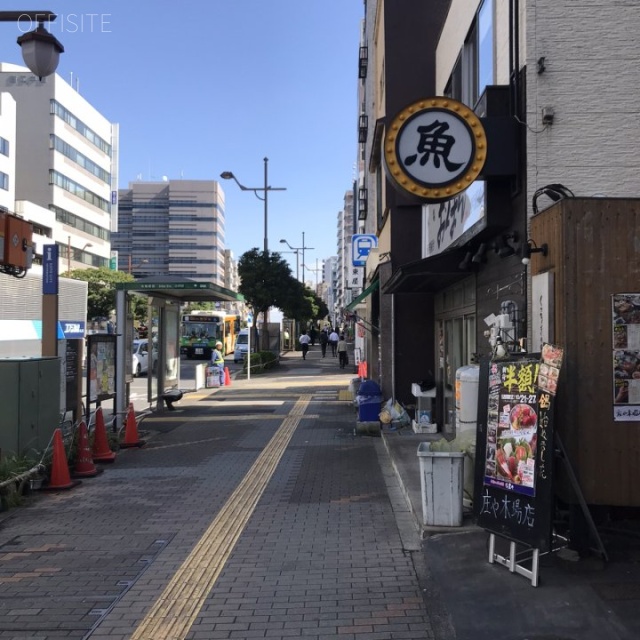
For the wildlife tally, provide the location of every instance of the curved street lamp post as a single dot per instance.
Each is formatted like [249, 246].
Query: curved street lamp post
[228, 175]
[295, 250]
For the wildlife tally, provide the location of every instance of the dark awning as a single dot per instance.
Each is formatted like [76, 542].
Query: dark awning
[428, 275]
[368, 291]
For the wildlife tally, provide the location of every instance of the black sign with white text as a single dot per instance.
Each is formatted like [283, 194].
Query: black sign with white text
[514, 452]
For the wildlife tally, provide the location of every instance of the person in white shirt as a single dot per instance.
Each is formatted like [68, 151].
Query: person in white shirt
[333, 341]
[304, 341]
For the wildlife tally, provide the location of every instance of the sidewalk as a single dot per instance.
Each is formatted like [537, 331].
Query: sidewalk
[334, 549]
[577, 599]
[469, 599]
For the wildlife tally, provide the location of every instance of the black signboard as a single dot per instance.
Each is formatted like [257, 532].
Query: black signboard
[72, 373]
[514, 452]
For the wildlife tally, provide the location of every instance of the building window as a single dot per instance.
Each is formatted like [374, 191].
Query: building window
[4, 181]
[485, 47]
[474, 69]
[74, 155]
[66, 217]
[4, 146]
[68, 117]
[78, 190]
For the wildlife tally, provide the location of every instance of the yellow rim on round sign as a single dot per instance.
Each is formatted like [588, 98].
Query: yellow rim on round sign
[476, 162]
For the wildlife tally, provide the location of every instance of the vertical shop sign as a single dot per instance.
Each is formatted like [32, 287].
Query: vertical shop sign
[626, 356]
[514, 448]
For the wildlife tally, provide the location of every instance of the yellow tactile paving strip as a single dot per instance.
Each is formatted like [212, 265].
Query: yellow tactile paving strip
[175, 610]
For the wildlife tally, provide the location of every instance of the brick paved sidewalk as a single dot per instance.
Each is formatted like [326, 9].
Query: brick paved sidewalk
[320, 556]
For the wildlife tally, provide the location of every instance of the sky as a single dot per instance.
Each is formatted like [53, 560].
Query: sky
[207, 86]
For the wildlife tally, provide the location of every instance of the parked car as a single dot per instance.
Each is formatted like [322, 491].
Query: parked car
[140, 357]
[242, 343]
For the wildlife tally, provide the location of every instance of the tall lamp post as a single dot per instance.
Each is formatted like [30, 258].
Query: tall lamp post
[295, 250]
[139, 264]
[41, 53]
[71, 252]
[40, 50]
[297, 260]
[315, 269]
[228, 175]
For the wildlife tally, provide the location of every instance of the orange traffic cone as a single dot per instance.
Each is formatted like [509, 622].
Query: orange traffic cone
[131, 438]
[364, 369]
[101, 451]
[60, 476]
[227, 377]
[84, 466]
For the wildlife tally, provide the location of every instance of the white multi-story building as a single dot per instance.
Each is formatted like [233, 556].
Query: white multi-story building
[64, 161]
[172, 227]
[7, 152]
[345, 230]
[232, 281]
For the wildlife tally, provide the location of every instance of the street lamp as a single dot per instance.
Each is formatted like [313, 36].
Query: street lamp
[71, 251]
[316, 269]
[139, 264]
[297, 254]
[40, 50]
[228, 175]
[295, 250]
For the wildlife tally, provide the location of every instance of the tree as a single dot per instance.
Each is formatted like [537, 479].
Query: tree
[101, 294]
[296, 302]
[265, 280]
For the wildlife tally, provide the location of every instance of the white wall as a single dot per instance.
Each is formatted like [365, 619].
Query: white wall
[591, 80]
[8, 163]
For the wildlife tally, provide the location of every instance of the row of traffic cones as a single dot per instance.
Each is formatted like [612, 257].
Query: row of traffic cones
[61, 477]
[87, 457]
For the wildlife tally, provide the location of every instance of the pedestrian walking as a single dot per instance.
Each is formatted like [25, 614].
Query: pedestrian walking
[324, 341]
[304, 341]
[333, 341]
[343, 357]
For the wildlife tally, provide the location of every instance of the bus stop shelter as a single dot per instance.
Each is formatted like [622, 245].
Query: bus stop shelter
[166, 296]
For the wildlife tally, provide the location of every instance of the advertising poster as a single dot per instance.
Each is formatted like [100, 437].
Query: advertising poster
[513, 495]
[626, 356]
[512, 424]
[101, 367]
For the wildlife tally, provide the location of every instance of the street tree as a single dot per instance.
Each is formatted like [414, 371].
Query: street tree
[296, 302]
[101, 294]
[265, 281]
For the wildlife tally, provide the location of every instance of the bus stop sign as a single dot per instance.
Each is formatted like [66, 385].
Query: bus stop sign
[361, 245]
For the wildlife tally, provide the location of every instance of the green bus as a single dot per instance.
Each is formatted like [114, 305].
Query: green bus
[200, 330]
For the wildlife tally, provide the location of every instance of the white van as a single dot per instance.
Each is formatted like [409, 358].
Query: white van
[242, 344]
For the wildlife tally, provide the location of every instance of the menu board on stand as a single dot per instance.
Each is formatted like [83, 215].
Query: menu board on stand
[514, 455]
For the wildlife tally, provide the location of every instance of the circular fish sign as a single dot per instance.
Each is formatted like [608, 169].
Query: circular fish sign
[435, 148]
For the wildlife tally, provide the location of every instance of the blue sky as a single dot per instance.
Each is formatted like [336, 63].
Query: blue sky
[212, 85]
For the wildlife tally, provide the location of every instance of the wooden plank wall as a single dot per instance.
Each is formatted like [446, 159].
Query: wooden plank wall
[594, 252]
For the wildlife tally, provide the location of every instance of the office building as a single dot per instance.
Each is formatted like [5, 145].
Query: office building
[172, 228]
[64, 158]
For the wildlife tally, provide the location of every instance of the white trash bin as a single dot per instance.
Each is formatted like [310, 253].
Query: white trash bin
[442, 482]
